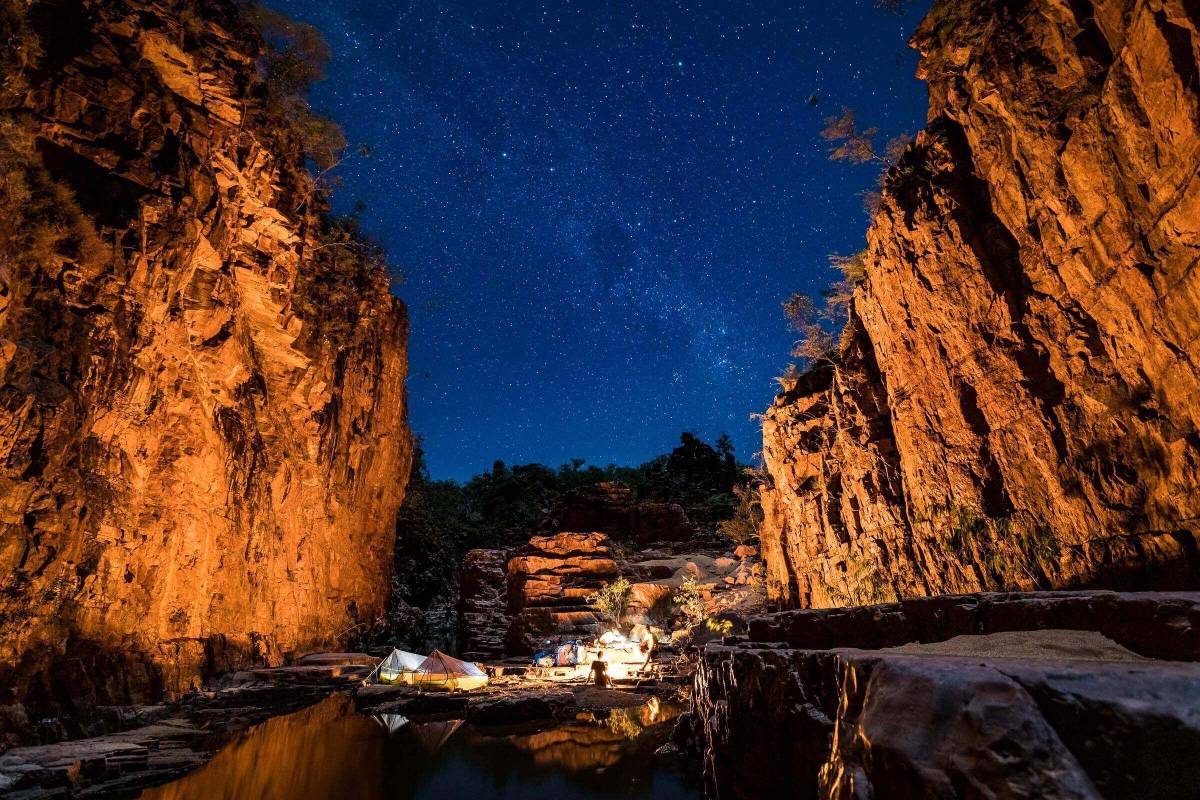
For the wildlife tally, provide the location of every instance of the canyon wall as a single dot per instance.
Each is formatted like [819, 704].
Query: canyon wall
[203, 440]
[1015, 401]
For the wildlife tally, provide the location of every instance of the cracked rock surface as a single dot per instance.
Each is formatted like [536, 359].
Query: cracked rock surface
[1033, 713]
[203, 437]
[1016, 400]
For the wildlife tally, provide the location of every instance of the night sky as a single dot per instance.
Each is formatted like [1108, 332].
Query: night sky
[599, 206]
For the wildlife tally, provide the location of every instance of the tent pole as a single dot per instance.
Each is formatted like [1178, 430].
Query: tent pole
[367, 680]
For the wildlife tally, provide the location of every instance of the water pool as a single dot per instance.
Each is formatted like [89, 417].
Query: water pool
[331, 751]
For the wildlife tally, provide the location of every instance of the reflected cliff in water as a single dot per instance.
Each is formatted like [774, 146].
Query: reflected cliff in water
[596, 742]
[330, 751]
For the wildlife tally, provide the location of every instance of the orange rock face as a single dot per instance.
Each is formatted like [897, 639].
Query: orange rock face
[549, 584]
[202, 435]
[1016, 401]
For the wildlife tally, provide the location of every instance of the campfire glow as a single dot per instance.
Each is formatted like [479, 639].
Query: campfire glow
[623, 657]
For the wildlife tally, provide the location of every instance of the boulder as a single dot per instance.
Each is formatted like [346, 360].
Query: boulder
[550, 582]
[1024, 713]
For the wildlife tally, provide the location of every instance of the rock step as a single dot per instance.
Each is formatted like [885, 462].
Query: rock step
[337, 659]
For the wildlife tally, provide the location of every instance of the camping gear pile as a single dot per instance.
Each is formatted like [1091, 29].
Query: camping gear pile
[624, 657]
[436, 671]
[567, 654]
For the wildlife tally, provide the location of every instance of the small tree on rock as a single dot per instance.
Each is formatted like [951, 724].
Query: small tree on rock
[747, 514]
[815, 342]
[611, 599]
[690, 599]
[858, 147]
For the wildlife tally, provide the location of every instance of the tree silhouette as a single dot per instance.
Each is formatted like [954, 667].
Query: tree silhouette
[858, 147]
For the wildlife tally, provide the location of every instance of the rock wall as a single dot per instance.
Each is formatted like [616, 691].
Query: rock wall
[1015, 402]
[1005, 712]
[512, 601]
[483, 618]
[550, 583]
[202, 431]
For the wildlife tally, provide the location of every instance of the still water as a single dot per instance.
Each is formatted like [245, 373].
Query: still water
[330, 751]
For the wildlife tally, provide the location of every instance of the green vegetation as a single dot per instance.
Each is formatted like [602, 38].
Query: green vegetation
[690, 600]
[747, 519]
[862, 584]
[22, 49]
[1009, 553]
[814, 322]
[814, 342]
[293, 60]
[344, 268]
[819, 326]
[42, 224]
[501, 508]
[611, 599]
[852, 267]
[858, 146]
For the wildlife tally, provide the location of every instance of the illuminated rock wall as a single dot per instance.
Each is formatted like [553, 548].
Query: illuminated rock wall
[202, 435]
[1016, 401]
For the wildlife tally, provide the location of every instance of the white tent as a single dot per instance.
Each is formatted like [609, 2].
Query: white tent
[440, 671]
[391, 722]
[397, 664]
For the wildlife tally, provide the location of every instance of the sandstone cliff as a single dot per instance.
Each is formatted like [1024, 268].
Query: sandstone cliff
[1016, 400]
[202, 417]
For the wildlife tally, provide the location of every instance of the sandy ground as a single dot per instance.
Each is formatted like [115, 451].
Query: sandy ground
[1055, 644]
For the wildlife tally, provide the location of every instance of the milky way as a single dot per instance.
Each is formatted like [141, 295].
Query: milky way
[599, 206]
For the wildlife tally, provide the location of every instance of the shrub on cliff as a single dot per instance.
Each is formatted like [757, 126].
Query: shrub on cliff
[857, 145]
[814, 341]
[747, 517]
[344, 267]
[293, 60]
[41, 222]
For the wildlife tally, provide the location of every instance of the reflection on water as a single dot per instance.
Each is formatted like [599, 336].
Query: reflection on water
[329, 751]
[594, 744]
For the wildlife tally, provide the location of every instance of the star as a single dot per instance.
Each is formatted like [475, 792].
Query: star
[615, 275]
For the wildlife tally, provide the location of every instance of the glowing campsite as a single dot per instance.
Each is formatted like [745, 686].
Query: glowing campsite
[437, 671]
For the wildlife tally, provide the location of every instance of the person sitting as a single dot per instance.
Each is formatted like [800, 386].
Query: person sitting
[600, 673]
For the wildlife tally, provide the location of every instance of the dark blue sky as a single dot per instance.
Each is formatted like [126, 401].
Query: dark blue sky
[599, 206]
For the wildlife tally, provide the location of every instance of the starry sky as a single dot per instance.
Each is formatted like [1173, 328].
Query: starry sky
[598, 206]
